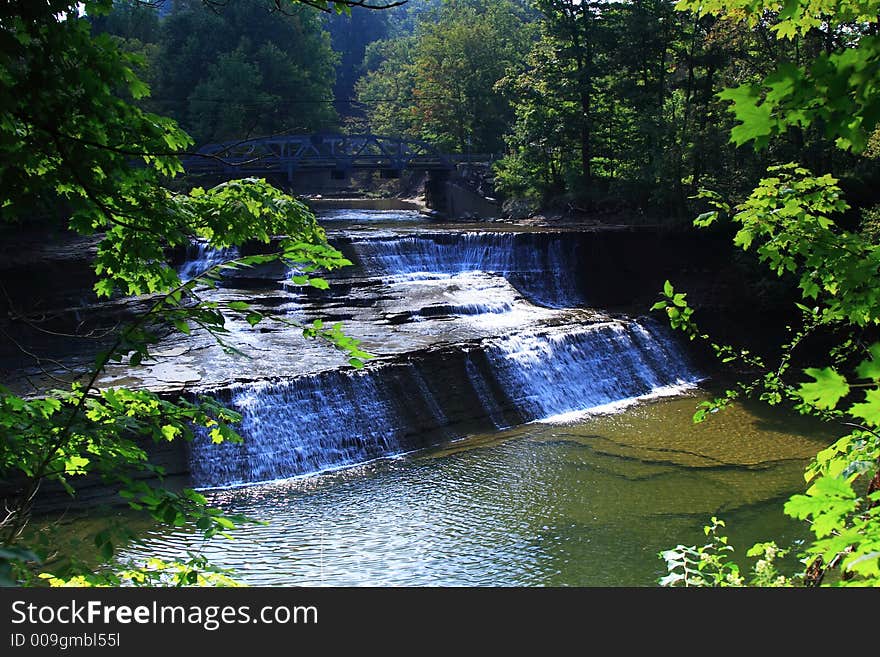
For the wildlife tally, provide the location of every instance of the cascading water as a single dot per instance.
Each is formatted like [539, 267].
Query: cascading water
[499, 360]
[306, 425]
[338, 418]
[200, 257]
[541, 266]
[462, 352]
[553, 373]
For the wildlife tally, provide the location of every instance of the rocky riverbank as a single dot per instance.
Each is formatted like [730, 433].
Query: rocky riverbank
[51, 313]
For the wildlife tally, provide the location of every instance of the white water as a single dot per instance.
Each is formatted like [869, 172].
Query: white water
[200, 257]
[310, 424]
[326, 421]
[549, 373]
[543, 363]
[576, 417]
[541, 266]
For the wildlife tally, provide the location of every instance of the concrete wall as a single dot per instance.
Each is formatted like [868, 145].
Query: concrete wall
[462, 203]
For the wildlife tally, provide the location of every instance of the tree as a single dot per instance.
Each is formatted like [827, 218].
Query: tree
[230, 103]
[543, 153]
[245, 70]
[574, 25]
[130, 19]
[459, 58]
[441, 80]
[611, 105]
[350, 36]
[73, 148]
[386, 89]
[598, 104]
[792, 221]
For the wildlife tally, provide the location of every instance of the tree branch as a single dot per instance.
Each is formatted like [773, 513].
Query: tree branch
[328, 6]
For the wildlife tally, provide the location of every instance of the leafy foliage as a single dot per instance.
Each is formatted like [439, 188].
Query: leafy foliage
[72, 138]
[843, 520]
[246, 69]
[438, 84]
[789, 221]
[706, 565]
[350, 36]
[195, 571]
[615, 108]
[710, 564]
[835, 90]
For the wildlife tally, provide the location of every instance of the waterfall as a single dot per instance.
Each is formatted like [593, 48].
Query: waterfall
[200, 257]
[518, 362]
[306, 425]
[427, 396]
[343, 417]
[541, 266]
[484, 393]
[554, 373]
[364, 216]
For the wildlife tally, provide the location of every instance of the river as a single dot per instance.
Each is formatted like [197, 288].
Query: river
[508, 433]
[585, 504]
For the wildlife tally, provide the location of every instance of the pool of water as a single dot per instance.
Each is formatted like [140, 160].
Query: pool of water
[583, 504]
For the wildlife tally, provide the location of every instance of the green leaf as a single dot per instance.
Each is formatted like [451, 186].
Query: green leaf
[827, 390]
[810, 289]
[319, 283]
[756, 122]
[104, 287]
[75, 465]
[238, 305]
[870, 369]
[758, 549]
[254, 318]
[706, 219]
[869, 410]
[744, 238]
[668, 289]
[832, 487]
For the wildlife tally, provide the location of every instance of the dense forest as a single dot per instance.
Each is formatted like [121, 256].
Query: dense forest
[759, 117]
[607, 107]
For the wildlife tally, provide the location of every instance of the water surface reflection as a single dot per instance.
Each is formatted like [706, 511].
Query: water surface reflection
[585, 504]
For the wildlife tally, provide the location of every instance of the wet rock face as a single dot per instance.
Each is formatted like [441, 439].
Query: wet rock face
[46, 296]
[340, 417]
[471, 329]
[311, 423]
[415, 284]
[408, 269]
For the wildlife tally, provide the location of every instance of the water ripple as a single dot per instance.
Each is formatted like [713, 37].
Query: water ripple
[535, 505]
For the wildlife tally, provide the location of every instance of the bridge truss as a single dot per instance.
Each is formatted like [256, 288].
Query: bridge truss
[340, 154]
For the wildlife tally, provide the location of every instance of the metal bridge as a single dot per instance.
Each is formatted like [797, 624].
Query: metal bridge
[339, 154]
